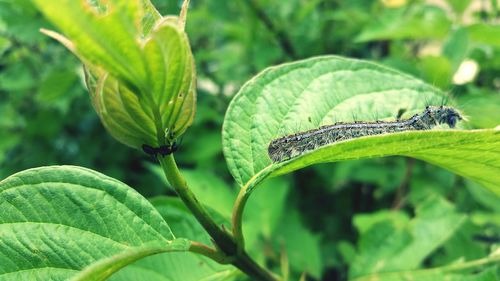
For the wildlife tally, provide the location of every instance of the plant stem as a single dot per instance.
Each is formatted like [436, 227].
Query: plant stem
[237, 218]
[205, 250]
[241, 200]
[246, 264]
[224, 241]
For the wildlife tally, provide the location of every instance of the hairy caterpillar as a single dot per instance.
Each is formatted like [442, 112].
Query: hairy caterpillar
[290, 146]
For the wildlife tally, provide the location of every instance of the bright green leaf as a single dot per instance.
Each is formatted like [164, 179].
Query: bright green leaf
[485, 33]
[65, 222]
[318, 91]
[106, 35]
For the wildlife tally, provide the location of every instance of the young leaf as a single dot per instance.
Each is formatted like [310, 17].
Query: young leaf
[306, 94]
[103, 34]
[66, 222]
[139, 66]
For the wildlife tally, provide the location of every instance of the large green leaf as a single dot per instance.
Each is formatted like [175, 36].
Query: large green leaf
[177, 266]
[65, 222]
[319, 91]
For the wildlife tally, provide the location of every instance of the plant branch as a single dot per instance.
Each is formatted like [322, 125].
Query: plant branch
[283, 40]
[207, 251]
[241, 200]
[224, 241]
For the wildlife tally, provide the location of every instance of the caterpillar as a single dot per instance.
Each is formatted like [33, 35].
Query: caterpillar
[290, 146]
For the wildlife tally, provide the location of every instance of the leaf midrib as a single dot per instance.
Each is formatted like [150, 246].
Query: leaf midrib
[38, 268]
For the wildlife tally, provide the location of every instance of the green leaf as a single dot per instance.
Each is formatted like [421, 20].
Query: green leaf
[319, 91]
[436, 70]
[363, 222]
[482, 107]
[459, 6]
[55, 85]
[266, 209]
[456, 47]
[390, 245]
[65, 222]
[103, 34]
[485, 34]
[264, 215]
[177, 266]
[415, 22]
[302, 246]
[172, 75]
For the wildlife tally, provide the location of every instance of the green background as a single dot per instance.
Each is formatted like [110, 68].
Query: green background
[328, 218]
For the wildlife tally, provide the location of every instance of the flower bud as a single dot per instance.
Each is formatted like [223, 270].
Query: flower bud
[143, 85]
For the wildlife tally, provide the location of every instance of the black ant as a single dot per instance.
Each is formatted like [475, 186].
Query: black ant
[163, 150]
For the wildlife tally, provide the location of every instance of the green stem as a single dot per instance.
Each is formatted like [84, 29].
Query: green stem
[205, 250]
[231, 251]
[237, 217]
[241, 200]
[174, 177]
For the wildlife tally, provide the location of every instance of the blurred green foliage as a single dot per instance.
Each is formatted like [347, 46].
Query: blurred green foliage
[334, 220]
